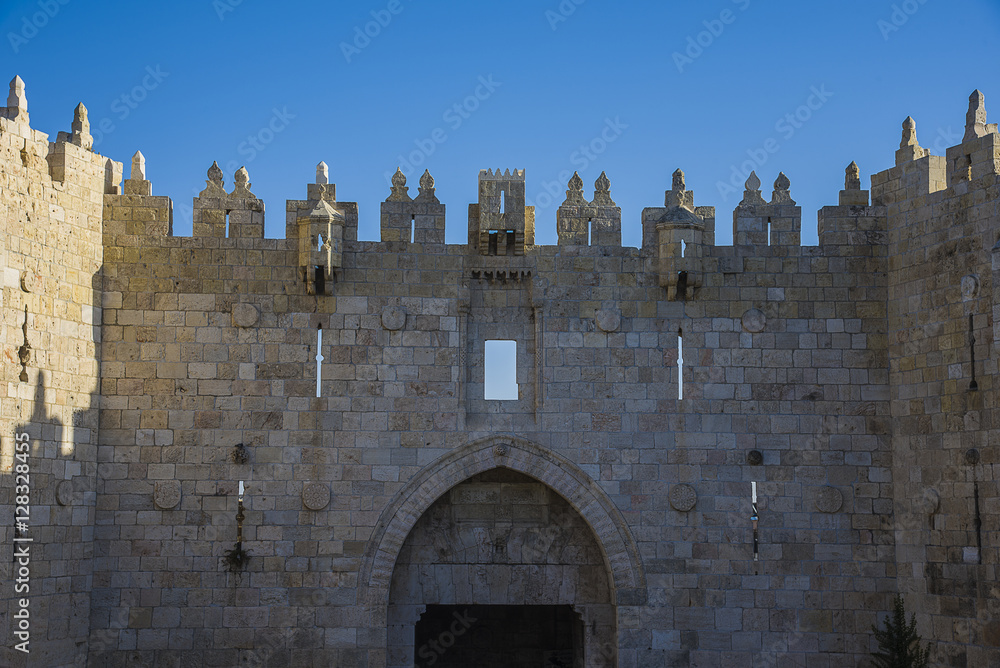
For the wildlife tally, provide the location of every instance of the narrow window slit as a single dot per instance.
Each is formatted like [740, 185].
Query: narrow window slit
[319, 359]
[680, 364]
[413, 228]
[972, 354]
[590, 232]
[753, 519]
[227, 232]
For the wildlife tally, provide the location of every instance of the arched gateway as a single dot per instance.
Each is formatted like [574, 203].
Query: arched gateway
[509, 535]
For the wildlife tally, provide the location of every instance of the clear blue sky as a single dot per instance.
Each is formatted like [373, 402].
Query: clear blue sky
[559, 76]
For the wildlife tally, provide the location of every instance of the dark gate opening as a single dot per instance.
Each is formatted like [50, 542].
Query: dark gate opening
[499, 636]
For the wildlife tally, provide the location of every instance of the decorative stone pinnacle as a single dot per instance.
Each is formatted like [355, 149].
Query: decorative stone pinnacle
[138, 167]
[678, 182]
[602, 191]
[241, 184]
[603, 183]
[574, 192]
[17, 101]
[81, 128]
[852, 177]
[398, 179]
[909, 133]
[780, 195]
[751, 193]
[399, 189]
[427, 188]
[80, 120]
[322, 174]
[215, 173]
[975, 119]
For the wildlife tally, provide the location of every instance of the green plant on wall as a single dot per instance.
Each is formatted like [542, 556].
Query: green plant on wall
[899, 643]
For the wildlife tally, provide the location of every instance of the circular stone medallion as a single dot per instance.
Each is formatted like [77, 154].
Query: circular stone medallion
[829, 500]
[29, 281]
[64, 493]
[608, 320]
[315, 496]
[683, 497]
[393, 318]
[245, 315]
[970, 287]
[754, 321]
[167, 494]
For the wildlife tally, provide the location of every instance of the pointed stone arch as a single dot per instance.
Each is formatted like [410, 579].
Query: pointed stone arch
[563, 476]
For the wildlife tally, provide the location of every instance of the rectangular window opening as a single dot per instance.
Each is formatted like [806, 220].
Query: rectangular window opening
[500, 378]
[502, 197]
[320, 280]
[590, 232]
[413, 228]
[319, 359]
[227, 232]
[492, 247]
[680, 364]
[770, 233]
[511, 236]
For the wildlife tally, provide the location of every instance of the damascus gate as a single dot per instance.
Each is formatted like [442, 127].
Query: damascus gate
[247, 451]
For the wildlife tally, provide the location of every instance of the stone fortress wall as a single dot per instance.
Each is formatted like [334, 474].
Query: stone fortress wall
[851, 383]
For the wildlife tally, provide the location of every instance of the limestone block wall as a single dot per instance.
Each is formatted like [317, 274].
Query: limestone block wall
[210, 349]
[746, 457]
[944, 395]
[51, 252]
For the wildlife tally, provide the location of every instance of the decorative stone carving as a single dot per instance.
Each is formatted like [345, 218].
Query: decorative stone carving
[602, 191]
[930, 501]
[399, 189]
[754, 321]
[315, 496]
[780, 194]
[683, 497]
[393, 318]
[970, 287]
[500, 450]
[829, 500]
[245, 315]
[29, 281]
[167, 494]
[751, 192]
[608, 320]
[574, 194]
[64, 493]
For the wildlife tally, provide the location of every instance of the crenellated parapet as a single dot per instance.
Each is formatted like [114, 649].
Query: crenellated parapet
[757, 222]
[238, 214]
[593, 223]
[420, 220]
